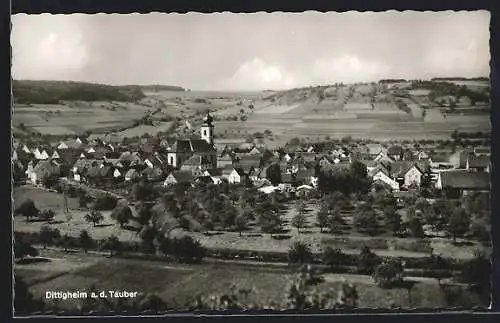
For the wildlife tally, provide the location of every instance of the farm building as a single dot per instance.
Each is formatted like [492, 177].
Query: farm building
[459, 183]
[38, 171]
[478, 163]
[178, 177]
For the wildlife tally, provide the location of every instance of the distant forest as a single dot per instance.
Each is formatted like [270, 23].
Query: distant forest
[485, 79]
[157, 88]
[442, 79]
[53, 92]
[388, 81]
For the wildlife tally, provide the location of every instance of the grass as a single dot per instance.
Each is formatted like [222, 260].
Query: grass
[176, 284]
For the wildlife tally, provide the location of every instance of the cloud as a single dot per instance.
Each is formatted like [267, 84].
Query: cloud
[258, 75]
[348, 68]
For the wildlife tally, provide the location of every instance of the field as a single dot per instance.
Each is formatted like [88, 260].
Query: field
[312, 113]
[350, 242]
[177, 284]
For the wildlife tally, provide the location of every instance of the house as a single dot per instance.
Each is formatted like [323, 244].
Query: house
[482, 151]
[287, 182]
[237, 176]
[248, 162]
[255, 151]
[440, 161]
[459, 159]
[224, 159]
[55, 155]
[178, 177]
[422, 155]
[306, 177]
[382, 175]
[196, 164]
[375, 149]
[132, 174]
[413, 176]
[183, 149]
[152, 174]
[215, 174]
[116, 173]
[38, 171]
[478, 163]
[395, 152]
[459, 183]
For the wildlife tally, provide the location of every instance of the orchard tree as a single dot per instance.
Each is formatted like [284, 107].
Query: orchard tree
[23, 248]
[113, 244]
[458, 223]
[48, 236]
[299, 221]
[47, 215]
[393, 220]
[122, 214]
[368, 260]
[389, 273]
[322, 217]
[27, 209]
[414, 225]
[241, 223]
[95, 217]
[85, 240]
[300, 253]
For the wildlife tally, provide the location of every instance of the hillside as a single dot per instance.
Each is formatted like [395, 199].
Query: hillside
[158, 88]
[53, 92]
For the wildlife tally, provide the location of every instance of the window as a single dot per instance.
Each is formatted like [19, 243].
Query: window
[205, 132]
[171, 160]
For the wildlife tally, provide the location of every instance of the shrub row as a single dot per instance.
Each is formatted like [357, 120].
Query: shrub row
[423, 263]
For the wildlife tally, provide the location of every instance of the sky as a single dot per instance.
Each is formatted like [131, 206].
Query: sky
[248, 52]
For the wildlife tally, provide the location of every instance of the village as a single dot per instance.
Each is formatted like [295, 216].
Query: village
[458, 169]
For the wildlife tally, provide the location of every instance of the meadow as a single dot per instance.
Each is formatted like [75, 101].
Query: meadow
[179, 284]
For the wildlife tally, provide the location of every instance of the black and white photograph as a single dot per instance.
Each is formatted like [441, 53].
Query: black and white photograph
[264, 161]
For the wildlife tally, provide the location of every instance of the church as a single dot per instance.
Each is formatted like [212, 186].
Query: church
[199, 150]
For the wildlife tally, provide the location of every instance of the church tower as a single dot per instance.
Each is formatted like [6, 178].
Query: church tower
[207, 129]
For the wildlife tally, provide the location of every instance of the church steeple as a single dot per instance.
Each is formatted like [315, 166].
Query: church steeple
[207, 129]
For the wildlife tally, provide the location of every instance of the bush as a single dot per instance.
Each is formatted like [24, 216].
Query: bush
[105, 202]
[300, 253]
[389, 273]
[184, 249]
[367, 262]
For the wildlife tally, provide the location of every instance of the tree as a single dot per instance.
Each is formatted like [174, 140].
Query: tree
[141, 191]
[27, 209]
[393, 220]
[368, 260]
[241, 223]
[299, 221]
[148, 235]
[47, 215]
[143, 213]
[335, 221]
[64, 242]
[300, 253]
[122, 214]
[269, 221]
[322, 217]
[389, 273]
[83, 199]
[48, 236]
[85, 240]
[113, 244]
[273, 174]
[458, 223]
[153, 303]
[366, 221]
[349, 296]
[414, 225]
[23, 248]
[186, 249]
[333, 257]
[477, 274]
[95, 217]
[24, 301]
